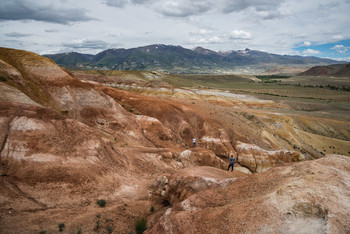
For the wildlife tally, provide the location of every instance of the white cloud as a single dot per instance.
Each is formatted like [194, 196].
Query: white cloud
[337, 38]
[215, 39]
[340, 48]
[311, 51]
[201, 32]
[306, 44]
[212, 40]
[238, 34]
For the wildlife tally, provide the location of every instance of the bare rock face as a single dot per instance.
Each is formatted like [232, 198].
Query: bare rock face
[307, 197]
[259, 160]
[51, 148]
[180, 185]
[200, 157]
[184, 121]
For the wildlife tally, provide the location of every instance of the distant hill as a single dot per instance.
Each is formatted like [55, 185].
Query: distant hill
[176, 59]
[330, 70]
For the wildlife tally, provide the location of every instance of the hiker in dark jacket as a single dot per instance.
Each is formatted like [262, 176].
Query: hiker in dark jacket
[232, 162]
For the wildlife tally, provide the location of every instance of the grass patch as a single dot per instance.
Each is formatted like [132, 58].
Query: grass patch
[141, 226]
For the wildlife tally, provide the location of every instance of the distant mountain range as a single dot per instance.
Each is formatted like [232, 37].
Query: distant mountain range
[176, 59]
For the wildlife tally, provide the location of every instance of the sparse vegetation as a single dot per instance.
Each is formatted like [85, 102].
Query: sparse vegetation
[98, 224]
[109, 229]
[42, 232]
[101, 203]
[64, 112]
[263, 77]
[3, 78]
[61, 227]
[152, 209]
[141, 226]
[271, 78]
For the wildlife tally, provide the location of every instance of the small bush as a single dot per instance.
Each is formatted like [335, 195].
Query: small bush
[141, 226]
[64, 112]
[61, 227]
[109, 229]
[98, 224]
[152, 209]
[3, 78]
[101, 203]
[42, 232]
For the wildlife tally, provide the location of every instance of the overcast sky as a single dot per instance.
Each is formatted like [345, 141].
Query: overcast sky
[304, 27]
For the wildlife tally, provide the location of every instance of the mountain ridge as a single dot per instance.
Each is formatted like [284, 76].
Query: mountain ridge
[176, 59]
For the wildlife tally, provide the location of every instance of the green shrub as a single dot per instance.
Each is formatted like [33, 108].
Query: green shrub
[42, 232]
[101, 203]
[152, 209]
[109, 229]
[98, 224]
[141, 226]
[3, 78]
[61, 227]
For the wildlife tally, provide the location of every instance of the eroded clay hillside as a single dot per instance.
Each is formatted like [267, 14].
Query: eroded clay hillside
[68, 140]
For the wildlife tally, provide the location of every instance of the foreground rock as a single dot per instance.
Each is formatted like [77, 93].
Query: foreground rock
[307, 197]
[180, 185]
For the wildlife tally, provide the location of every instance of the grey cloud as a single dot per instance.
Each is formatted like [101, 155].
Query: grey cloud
[51, 30]
[183, 8]
[87, 44]
[141, 1]
[270, 15]
[17, 34]
[117, 3]
[15, 41]
[258, 5]
[40, 11]
[123, 3]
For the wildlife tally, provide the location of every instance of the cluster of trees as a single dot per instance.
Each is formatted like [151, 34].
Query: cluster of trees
[268, 77]
[332, 87]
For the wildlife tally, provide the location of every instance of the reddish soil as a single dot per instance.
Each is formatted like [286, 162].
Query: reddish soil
[67, 142]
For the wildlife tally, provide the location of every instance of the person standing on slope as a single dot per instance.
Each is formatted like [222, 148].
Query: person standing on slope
[232, 162]
[194, 142]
